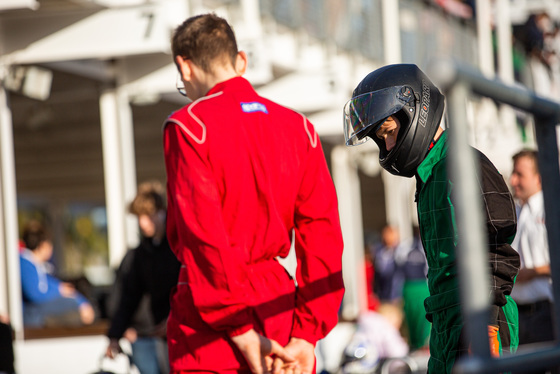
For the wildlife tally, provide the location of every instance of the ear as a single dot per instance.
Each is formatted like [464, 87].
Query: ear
[241, 63]
[184, 68]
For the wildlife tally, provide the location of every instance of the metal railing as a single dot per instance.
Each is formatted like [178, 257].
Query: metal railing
[458, 82]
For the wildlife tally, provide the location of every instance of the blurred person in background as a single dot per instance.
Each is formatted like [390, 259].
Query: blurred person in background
[388, 278]
[533, 287]
[373, 300]
[377, 338]
[143, 286]
[538, 39]
[411, 260]
[47, 301]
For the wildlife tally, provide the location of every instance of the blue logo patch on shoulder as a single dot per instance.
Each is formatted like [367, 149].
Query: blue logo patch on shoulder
[253, 107]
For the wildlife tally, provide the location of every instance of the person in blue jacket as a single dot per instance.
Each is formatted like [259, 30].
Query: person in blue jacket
[47, 301]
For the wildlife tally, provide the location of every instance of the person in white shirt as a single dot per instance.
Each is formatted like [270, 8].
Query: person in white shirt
[533, 288]
[377, 338]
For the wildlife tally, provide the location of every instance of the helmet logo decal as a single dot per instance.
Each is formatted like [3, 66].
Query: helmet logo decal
[425, 104]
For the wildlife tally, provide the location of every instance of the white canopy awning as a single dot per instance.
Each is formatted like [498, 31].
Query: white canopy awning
[18, 4]
[106, 34]
[305, 91]
[328, 122]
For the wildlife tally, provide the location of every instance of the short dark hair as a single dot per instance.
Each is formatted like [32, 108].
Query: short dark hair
[149, 199]
[204, 39]
[530, 154]
[34, 233]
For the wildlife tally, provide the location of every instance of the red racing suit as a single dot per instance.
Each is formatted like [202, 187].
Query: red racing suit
[242, 173]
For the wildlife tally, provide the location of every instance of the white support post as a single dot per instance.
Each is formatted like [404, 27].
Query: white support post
[251, 16]
[399, 206]
[128, 164]
[346, 180]
[484, 31]
[505, 57]
[10, 296]
[391, 31]
[4, 285]
[112, 166]
[504, 36]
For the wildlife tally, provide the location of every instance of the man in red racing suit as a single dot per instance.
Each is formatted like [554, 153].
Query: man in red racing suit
[243, 173]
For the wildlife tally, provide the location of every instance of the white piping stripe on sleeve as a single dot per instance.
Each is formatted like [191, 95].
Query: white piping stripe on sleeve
[312, 138]
[185, 129]
[197, 120]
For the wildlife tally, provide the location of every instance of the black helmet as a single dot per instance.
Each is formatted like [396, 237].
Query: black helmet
[402, 91]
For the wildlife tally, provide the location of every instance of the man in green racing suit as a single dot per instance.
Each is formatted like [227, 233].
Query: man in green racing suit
[401, 110]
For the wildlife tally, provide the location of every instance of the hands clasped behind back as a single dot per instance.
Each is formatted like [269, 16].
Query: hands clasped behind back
[258, 351]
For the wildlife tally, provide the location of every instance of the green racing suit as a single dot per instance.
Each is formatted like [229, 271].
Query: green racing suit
[436, 216]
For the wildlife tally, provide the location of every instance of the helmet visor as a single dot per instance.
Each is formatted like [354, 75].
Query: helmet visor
[365, 112]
